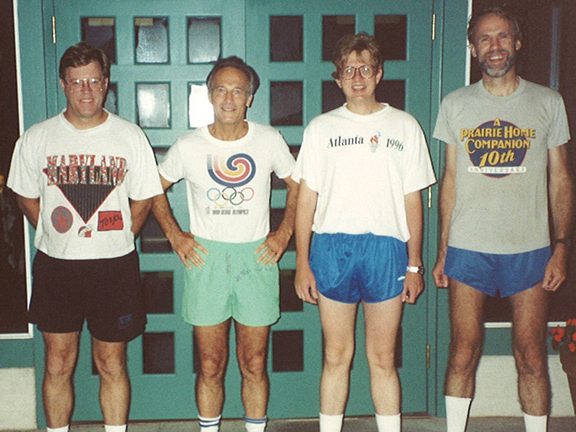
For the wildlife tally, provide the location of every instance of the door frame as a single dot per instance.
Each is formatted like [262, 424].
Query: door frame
[448, 72]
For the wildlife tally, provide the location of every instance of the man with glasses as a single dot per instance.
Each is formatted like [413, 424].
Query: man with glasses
[506, 165]
[84, 180]
[230, 255]
[361, 169]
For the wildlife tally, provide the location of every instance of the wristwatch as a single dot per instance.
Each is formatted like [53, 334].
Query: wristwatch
[415, 269]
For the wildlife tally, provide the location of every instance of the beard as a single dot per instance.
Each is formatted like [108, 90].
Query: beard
[497, 72]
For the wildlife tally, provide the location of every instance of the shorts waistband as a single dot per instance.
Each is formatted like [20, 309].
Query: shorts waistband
[207, 242]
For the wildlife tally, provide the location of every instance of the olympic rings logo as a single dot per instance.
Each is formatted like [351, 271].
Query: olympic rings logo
[230, 195]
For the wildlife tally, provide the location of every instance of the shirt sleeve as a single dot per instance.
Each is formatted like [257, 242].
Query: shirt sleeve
[283, 163]
[306, 163]
[172, 168]
[419, 173]
[145, 182]
[559, 130]
[442, 130]
[24, 170]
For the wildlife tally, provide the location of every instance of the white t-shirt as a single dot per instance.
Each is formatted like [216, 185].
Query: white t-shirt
[228, 182]
[362, 166]
[84, 179]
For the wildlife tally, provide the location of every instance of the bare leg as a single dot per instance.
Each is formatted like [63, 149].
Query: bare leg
[530, 309]
[252, 349]
[338, 320]
[467, 332]
[57, 388]
[110, 361]
[382, 321]
[212, 343]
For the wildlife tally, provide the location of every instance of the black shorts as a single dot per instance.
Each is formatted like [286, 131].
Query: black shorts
[107, 293]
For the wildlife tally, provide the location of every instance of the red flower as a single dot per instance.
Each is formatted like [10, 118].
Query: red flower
[558, 333]
[565, 335]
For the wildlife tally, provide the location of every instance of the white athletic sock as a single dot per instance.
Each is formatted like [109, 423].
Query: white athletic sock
[60, 429]
[388, 423]
[535, 423]
[255, 424]
[209, 424]
[331, 423]
[118, 428]
[457, 409]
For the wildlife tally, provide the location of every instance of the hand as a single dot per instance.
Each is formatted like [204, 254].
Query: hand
[271, 250]
[188, 249]
[305, 285]
[440, 278]
[555, 273]
[413, 287]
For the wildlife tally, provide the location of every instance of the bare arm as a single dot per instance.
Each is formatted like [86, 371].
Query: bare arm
[183, 243]
[447, 200]
[561, 197]
[277, 241]
[139, 210]
[304, 282]
[414, 282]
[30, 207]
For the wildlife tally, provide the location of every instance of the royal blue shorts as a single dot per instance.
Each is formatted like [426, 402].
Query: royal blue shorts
[497, 274]
[358, 267]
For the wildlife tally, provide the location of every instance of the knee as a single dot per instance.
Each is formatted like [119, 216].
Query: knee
[211, 367]
[60, 365]
[338, 356]
[465, 353]
[381, 360]
[253, 366]
[530, 359]
[110, 366]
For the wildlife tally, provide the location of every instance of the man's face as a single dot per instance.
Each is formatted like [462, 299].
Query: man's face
[230, 96]
[495, 46]
[85, 89]
[357, 87]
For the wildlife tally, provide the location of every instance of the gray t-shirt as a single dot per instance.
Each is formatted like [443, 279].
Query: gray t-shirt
[502, 144]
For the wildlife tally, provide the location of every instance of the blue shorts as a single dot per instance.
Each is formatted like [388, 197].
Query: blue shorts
[358, 267]
[497, 274]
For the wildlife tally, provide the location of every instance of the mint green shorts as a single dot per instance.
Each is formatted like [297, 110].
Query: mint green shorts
[231, 284]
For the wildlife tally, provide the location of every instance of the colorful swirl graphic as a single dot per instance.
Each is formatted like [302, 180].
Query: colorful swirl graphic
[235, 171]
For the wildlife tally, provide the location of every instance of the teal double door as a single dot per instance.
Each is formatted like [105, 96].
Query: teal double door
[162, 51]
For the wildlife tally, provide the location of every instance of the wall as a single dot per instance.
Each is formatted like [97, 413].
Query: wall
[17, 378]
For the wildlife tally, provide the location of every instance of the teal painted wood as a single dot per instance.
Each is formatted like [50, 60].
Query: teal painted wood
[16, 353]
[431, 69]
[449, 73]
[312, 71]
[154, 396]
[36, 60]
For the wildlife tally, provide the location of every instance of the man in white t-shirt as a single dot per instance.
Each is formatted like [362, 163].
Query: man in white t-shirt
[230, 254]
[361, 169]
[85, 179]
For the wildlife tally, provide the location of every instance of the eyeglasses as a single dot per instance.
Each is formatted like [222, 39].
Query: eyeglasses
[366, 71]
[236, 92]
[93, 83]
